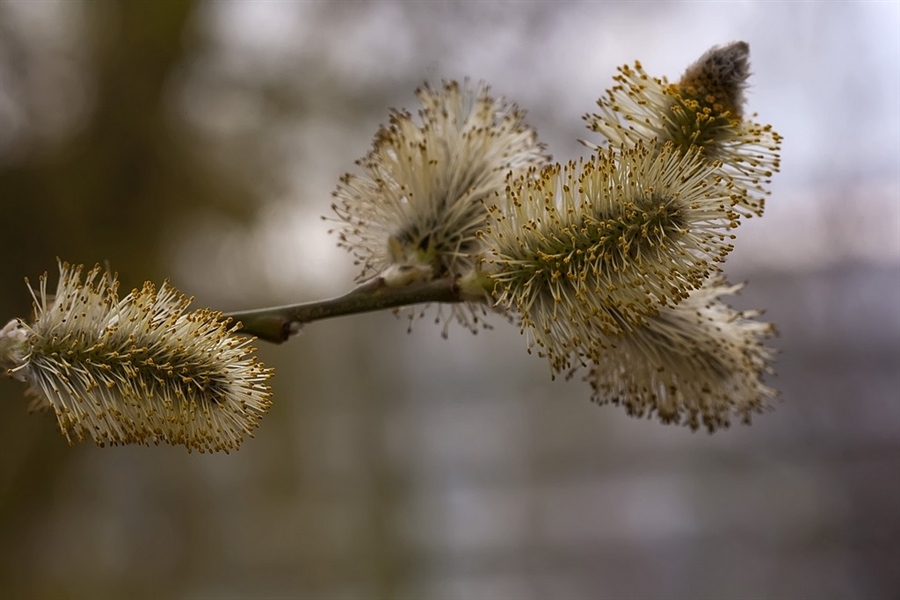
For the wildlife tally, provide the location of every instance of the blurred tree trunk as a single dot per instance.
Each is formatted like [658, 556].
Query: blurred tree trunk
[105, 194]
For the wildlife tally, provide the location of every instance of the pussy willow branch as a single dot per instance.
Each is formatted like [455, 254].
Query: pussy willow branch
[278, 323]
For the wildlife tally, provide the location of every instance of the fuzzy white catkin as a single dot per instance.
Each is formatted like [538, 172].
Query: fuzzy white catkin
[142, 369]
[699, 362]
[704, 109]
[415, 211]
[600, 245]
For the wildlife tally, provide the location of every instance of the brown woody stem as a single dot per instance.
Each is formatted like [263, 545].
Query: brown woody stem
[277, 324]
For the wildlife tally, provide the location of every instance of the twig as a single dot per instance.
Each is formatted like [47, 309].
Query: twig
[277, 324]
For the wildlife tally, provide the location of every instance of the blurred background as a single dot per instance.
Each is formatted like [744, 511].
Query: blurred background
[201, 141]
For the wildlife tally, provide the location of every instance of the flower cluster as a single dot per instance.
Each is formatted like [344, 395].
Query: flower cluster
[612, 262]
[141, 369]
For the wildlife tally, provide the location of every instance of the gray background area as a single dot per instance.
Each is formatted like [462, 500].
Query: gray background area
[202, 143]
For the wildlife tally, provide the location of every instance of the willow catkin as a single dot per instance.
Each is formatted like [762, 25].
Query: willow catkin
[142, 369]
[704, 109]
[415, 211]
[698, 363]
[602, 244]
